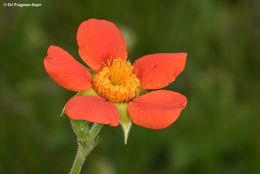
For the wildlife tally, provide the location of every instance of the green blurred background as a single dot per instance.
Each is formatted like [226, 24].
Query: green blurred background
[218, 132]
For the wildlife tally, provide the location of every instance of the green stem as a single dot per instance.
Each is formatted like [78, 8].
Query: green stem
[85, 147]
[95, 129]
[79, 159]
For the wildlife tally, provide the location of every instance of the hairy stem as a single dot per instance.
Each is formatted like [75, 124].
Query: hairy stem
[85, 146]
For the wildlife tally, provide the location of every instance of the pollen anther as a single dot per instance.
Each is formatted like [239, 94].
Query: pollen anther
[116, 81]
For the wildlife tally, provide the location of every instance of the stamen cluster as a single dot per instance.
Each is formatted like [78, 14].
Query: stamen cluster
[116, 81]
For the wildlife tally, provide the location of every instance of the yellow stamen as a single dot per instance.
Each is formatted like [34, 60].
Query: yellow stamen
[116, 81]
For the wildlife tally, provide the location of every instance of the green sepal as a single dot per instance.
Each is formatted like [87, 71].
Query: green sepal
[63, 109]
[92, 72]
[141, 92]
[80, 128]
[62, 112]
[125, 121]
[89, 92]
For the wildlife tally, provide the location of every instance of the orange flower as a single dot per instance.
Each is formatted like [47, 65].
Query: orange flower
[115, 81]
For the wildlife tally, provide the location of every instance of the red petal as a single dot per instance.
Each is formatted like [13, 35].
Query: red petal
[66, 71]
[100, 40]
[159, 70]
[92, 108]
[157, 109]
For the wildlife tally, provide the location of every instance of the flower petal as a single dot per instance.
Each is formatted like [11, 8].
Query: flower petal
[157, 109]
[156, 71]
[99, 41]
[92, 108]
[66, 71]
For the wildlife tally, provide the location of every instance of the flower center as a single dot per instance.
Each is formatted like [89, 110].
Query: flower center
[116, 81]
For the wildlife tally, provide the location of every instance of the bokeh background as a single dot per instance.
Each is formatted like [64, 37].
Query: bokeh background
[219, 130]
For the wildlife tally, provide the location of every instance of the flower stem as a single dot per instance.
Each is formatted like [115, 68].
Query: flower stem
[79, 160]
[95, 129]
[85, 146]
